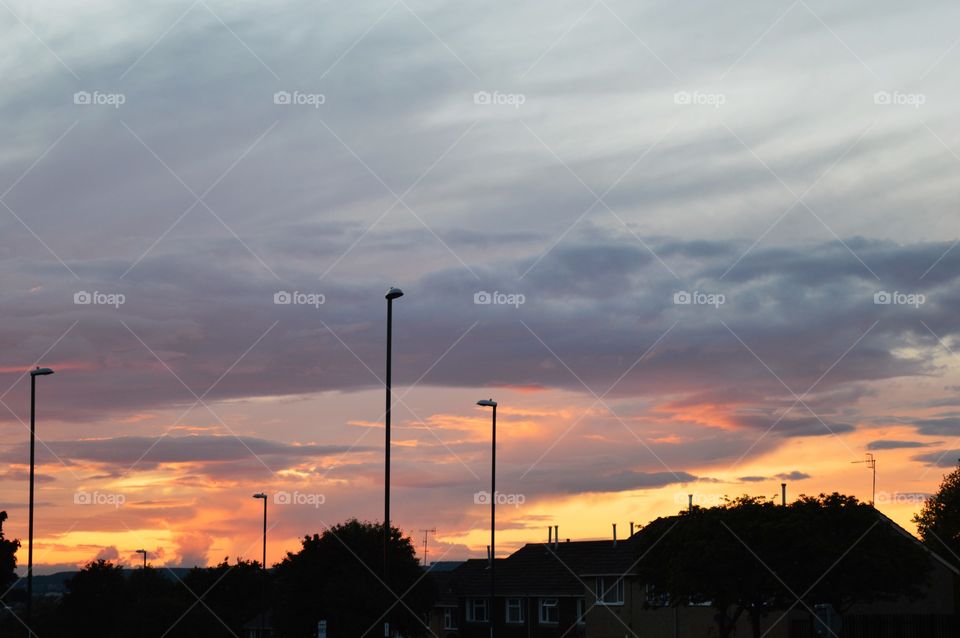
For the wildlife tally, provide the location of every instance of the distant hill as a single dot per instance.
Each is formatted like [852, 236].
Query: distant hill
[56, 583]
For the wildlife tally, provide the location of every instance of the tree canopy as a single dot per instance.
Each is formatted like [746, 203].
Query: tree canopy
[938, 522]
[337, 577]
[752, 557]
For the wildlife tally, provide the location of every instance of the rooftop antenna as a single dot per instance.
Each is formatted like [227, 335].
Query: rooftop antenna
[871, 463]
[426, 533]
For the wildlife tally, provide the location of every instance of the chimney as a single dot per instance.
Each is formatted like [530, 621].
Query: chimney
[549, 535]
[614, 534]
[783, 494]
[556, 535]
[631, 528]
[689, 501]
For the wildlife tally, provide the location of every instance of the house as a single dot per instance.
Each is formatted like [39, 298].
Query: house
[589, 589]
[542, 591]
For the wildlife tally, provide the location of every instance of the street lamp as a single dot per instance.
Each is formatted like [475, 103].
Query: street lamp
[37, 372]
[393, 293]
[263, 565]
[490, 403]
[144, 552]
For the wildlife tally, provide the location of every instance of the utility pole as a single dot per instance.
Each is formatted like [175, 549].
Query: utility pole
[432, 530]
[871, 463]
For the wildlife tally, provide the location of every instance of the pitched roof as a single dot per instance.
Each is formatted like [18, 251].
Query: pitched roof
[541, 569]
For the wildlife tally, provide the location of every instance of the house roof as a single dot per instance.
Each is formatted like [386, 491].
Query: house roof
[542, 569]
[932, 553]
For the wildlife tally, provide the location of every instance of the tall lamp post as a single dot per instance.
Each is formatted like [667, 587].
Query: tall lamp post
[393, 293]
[490, 403]
[37, 372]
[263, 565]
[144, 552]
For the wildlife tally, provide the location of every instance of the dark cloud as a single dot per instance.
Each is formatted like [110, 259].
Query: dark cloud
[889, 444]
[942, 458]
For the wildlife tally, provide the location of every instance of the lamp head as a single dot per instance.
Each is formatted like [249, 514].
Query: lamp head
[394, 293]
[260, 495]
[487, 403]
[40, 372]
[140, 551]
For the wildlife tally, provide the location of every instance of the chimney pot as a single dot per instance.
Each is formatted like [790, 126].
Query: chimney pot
[614, 534]
[783, 494]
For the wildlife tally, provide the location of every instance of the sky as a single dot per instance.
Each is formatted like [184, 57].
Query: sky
[689, 248]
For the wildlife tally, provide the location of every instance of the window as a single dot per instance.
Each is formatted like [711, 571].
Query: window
[581, 611]
[449, 618]
[515, 611]
[609, 590]
[477, 610]
[656, 598]
[549, 611]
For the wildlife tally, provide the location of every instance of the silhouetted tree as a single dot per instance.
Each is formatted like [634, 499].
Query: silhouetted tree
[336, 577]
[8, 558]
[751, 557]
[220, 599]
[95, 601]
[938, 522]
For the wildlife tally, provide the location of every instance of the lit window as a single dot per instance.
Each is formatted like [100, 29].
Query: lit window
[549, 611]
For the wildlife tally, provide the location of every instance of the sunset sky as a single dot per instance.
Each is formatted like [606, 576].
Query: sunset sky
[596, 163]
